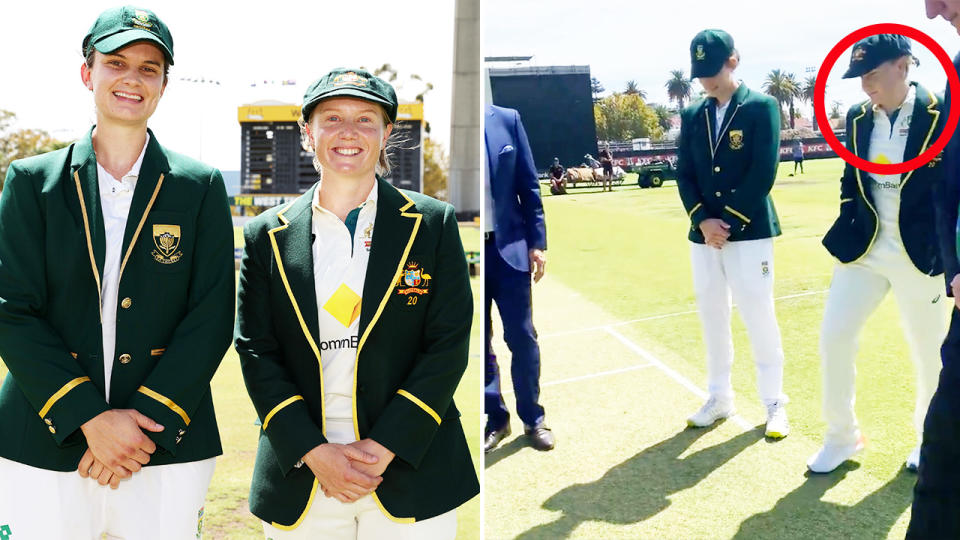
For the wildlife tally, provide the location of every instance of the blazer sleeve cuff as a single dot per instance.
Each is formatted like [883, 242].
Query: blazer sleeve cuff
[71, 406]
[164, 411]
[292, 432]
[735, 217]
[697, 214]
[406, 427]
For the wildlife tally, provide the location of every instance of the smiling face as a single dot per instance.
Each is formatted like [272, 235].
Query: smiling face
[127, 84]
[348, 135]
[886, 84]
[948, 9]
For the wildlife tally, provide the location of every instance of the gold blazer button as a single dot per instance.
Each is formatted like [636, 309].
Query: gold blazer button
[52, 429]
[716, 169]
[126, 303]
[124, 358]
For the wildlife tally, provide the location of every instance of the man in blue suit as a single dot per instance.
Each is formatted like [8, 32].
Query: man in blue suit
[936, 496]
[514, 242]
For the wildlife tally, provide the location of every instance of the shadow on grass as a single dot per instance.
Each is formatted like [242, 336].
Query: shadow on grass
[505, 450]
[801, 514]
[637, 489]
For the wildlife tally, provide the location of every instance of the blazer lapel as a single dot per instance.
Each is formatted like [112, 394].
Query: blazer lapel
[862, 127]
[922, 125]
[83, 172]
[294, 255]
[394, 231]
[152, 170]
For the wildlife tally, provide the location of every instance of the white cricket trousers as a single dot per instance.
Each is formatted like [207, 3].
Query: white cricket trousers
[855, 292]
[742, 270]
[164, 502]
[362, 519]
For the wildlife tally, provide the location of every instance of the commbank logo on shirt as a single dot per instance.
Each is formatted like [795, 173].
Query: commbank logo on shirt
[335, 344]
[344, 305]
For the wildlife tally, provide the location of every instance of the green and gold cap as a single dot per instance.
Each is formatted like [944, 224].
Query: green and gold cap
[358, 83]
[116, 28]
[708, 52]
[870, 52]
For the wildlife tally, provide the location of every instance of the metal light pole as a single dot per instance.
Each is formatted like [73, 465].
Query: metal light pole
[466, 119]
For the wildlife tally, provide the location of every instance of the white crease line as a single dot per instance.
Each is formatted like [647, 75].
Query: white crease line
[655, 317]
[739, 420]
[590, 376]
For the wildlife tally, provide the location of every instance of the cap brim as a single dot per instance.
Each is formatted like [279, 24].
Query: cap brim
[705, 69]
[349, 92]
[114, 42]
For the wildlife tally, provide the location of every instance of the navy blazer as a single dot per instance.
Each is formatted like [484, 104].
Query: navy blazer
[947, 198]
[518, 222]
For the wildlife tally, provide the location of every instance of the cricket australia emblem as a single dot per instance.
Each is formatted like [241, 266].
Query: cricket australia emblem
[413, 280]
[167, 240]
[736, 139]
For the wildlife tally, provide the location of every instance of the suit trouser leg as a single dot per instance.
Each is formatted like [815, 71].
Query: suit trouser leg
[923, 316]
[52, 505]
[855, 292]
[936, 495]
[713, 306]
[514, 298]
[493, 405]
[750, 274]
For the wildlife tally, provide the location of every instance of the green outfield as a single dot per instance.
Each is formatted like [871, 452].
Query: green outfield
[226, 513]
[623, 360]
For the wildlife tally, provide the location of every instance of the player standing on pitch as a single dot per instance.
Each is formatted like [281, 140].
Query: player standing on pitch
[882, 240]
[727, 163]
[116, 307]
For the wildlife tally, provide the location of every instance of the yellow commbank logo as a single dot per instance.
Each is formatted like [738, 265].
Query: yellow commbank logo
[344, 305]
[167, 239]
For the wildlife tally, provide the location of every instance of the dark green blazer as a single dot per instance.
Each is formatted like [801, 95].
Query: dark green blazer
[852, 235]
[731, 178]
[411, 354]
[174, 314]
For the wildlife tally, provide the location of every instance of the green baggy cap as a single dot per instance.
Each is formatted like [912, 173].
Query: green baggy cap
[116, 28]
[358, 83]
[708, 52]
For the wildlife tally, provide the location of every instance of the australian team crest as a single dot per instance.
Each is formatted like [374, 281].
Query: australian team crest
[700, 54]
[736, 139]
[858, 54]
[350, 78]
[167, 240]
[413, 280]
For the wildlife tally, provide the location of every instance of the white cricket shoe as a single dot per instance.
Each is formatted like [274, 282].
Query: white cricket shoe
[913, 460]
[831, 456]
[777, 425]
[714, 409]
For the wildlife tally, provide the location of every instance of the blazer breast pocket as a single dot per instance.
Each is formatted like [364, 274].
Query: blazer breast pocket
[166, 242]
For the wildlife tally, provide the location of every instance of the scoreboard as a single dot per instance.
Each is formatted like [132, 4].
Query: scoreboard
[273, 161]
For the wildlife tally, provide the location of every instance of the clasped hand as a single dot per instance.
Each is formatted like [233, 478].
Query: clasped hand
[715, 232]
[117, 445]
[348, 472]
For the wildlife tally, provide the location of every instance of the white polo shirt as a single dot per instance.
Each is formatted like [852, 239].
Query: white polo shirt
[115, 198]
[339, 270]
[888, 141]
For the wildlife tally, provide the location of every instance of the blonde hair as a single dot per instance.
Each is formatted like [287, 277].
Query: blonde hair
[383, 162]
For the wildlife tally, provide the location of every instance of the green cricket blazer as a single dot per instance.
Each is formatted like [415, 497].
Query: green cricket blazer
[415, 319]
[174, 314]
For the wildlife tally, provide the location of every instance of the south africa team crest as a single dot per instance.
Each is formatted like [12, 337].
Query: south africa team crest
[167, 240]
[700, 55]
[413, 280]
[736, 139]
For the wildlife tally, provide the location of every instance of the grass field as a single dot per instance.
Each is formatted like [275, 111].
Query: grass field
[226, 513]
[619, 333]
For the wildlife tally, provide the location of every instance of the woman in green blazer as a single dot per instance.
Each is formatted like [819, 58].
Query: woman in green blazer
[353, 325]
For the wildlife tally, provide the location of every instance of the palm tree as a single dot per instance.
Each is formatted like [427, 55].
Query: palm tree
[633, 90]
[806, 95]
[792, 81]
[678, 87]
[835, 110]
[783, 87]
[663, 116]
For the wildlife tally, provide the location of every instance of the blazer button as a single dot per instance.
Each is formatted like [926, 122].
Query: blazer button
[124, 358]
[716, 169]
[47, 420]
[52, 429]
[126, 303]
[717, 194]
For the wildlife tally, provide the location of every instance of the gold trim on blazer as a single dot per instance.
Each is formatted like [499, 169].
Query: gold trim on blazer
[136, 233]
[420, 404]
[279, 406]
[166, 401]
[86, 230]
[876, 225]
[60, 393]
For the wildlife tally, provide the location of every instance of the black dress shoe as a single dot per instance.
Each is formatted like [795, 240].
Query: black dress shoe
[541, 437]
[494, 436]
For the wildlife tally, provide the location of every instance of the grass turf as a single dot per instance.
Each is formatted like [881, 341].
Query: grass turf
[226, 515]
[625, 466]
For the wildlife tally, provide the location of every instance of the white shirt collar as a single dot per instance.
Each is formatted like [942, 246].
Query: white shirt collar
[370, 202]
[906, 106]
[113, 186]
